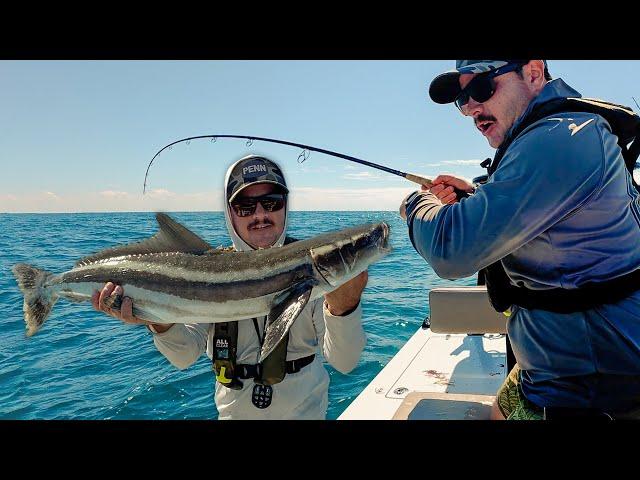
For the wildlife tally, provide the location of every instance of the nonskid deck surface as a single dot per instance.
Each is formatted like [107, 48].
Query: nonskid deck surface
[437, 363]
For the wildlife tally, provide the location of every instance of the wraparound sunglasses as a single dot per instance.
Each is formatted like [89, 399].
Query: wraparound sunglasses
[482, 87]
[245, 206]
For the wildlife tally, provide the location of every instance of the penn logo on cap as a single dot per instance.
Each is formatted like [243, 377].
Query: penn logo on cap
[254, 169]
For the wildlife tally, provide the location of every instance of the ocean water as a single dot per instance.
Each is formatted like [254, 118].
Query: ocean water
[86, 365]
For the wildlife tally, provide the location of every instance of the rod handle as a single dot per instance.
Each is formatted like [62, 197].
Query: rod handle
[419, 179]
[427, 182]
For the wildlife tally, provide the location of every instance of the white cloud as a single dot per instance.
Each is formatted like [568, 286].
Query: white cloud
[361, 176]
[312, 198]
[113, 193]
[308, 198]
[320, 169]
[462, 162]
[111, 201]
[472, 162]
[161, 192]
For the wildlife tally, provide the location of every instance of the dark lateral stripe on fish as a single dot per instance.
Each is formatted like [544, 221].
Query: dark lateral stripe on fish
[177, 264]
[181, 266]
[194, 290]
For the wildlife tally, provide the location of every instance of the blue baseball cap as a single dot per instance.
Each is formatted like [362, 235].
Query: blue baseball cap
[446, 87]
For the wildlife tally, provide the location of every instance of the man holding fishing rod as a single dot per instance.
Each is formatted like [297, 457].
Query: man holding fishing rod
[291, 382]
[556, 229]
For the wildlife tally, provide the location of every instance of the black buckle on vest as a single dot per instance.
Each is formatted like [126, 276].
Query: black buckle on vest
[294, 366]
[247, 370]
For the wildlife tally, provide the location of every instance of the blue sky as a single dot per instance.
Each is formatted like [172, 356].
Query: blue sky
[78, 135]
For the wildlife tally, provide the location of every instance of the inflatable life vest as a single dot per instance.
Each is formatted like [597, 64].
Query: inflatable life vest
[272, 370]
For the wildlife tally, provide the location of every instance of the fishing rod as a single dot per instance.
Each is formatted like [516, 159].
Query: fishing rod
[419, 179]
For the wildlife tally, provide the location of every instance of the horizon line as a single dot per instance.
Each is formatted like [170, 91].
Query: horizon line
[168, 211]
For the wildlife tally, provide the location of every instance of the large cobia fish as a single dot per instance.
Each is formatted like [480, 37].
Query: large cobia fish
[176, 277]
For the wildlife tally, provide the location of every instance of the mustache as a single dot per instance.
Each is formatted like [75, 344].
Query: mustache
[484, 118]
[255, 223]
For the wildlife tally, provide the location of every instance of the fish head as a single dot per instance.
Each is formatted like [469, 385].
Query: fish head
[350, 252]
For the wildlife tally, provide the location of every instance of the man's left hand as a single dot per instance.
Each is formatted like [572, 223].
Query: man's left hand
[347, 296]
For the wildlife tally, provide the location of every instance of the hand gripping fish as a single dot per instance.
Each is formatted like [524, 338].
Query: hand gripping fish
[176, 277]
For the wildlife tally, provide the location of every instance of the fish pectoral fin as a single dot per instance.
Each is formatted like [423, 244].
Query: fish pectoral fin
[287, 308]
[172, 237]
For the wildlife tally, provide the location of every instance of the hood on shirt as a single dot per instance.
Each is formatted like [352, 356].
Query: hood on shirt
[251, 170]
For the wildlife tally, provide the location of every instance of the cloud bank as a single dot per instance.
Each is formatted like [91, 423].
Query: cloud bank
[307, 198]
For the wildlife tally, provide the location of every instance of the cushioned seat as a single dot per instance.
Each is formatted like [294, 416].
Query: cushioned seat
[464, 310]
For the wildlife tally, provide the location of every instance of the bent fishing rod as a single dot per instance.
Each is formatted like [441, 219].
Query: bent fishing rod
[419, 179]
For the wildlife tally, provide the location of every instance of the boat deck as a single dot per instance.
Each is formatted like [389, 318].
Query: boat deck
[443, 365]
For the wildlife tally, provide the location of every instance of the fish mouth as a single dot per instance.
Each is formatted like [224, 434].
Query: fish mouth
[336, 262]
[386, 231]
[381, 234]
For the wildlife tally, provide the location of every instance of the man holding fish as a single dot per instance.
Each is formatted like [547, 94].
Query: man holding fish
[291, 382]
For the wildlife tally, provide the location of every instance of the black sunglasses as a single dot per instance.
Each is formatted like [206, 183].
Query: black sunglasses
[245, 206]
[482, 87]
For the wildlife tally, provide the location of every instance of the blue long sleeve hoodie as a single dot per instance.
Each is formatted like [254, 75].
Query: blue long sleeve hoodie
[559, 211]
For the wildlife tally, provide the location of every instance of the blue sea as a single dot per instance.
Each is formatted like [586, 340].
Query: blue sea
[86, 365]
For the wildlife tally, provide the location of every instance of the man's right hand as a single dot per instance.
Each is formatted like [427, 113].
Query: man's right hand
[125, 313]
[444, 185]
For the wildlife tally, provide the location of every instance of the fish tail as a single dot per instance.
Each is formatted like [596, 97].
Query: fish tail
[38, 300]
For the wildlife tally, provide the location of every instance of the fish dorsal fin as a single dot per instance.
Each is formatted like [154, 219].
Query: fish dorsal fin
[172, 237]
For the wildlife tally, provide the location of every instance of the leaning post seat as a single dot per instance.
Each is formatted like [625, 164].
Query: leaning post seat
[464, 310]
